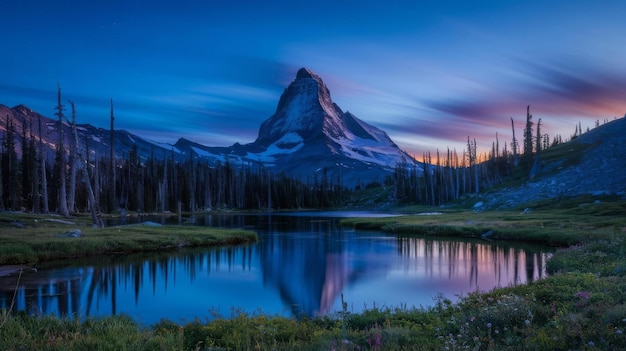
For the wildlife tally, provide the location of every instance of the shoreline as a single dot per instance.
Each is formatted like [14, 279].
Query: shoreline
[580, 305]
[40, 238]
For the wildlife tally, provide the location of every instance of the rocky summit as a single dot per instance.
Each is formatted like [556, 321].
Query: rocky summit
[311, 138]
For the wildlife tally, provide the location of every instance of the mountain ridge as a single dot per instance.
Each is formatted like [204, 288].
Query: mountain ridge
[308, 137]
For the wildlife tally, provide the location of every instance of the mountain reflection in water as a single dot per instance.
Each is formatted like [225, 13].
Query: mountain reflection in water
[301, 265]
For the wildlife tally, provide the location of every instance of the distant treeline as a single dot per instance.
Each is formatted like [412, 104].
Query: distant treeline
[80, 181]
[449, 176]
[157, 184]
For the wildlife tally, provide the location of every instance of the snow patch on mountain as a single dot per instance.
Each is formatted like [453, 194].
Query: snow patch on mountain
[289, 143]
[369, 151]
[206, 154]
[332, 140]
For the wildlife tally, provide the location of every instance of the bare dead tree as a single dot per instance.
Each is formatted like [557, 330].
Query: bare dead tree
[62, 199]
[514, 145]
[71, 196]
[112, 182]
[44, 177]
[95, 211]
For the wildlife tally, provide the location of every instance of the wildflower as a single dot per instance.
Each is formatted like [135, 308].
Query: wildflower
[378, 336]
[527, 322]
[591, 343]
[488, 325]
[619, 332]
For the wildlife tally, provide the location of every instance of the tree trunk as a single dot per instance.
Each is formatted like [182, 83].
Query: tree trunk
[514, 146]
[112, 182]
[71, 197]
[62, 200]
[44, 177]
[95, 212]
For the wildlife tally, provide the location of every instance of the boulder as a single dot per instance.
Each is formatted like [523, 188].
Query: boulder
[74, 233]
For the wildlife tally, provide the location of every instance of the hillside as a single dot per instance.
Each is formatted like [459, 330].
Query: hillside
[591, 164]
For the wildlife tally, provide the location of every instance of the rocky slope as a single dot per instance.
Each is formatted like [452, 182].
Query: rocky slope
[592, 164]
[97, 140]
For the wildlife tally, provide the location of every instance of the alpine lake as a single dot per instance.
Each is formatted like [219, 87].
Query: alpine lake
[304, 264]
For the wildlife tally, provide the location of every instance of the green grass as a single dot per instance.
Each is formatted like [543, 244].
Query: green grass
[557, 223]
[22, 332]
[580, 306]
[42, 240]
[566, 154]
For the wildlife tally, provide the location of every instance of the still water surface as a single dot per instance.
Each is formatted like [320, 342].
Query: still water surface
[302, 264]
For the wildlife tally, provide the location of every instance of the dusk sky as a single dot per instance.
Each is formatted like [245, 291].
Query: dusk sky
[429, 73]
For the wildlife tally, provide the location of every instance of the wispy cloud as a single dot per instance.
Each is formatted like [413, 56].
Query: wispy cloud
[578, 89]
[561, 96]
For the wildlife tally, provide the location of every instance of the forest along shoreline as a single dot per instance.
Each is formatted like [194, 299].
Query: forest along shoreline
[27, 239]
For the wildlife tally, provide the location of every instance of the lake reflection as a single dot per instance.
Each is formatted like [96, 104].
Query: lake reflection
[301, 265]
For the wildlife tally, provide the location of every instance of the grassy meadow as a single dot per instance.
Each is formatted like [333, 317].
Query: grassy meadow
[580, 306]
[26, 239]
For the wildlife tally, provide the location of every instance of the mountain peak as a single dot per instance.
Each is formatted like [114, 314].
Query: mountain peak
[306, 73]
[22, 108]
[303, 108]
[309, 132]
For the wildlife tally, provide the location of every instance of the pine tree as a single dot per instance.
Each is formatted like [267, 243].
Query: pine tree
[10, 167]
[471, 158]
[1, 187]
[528, 138]
[32, 165]
[536, 163]
[27, 169]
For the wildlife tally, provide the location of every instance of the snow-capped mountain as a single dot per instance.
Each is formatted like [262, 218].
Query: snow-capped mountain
[310, 137]
[26, 124]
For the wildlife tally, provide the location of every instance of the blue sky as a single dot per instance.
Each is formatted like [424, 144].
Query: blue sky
[429, 73]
